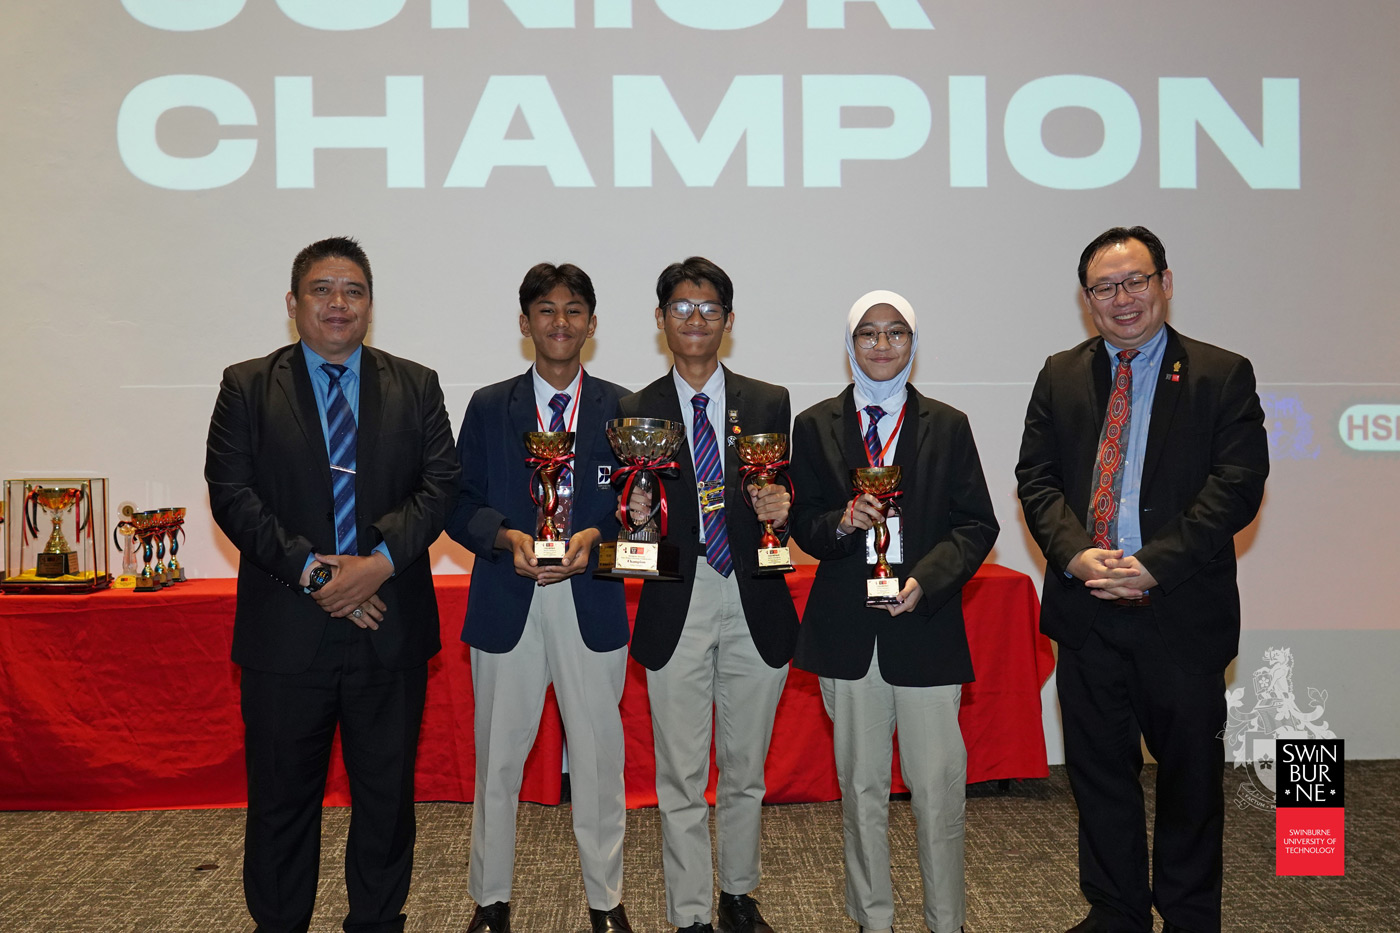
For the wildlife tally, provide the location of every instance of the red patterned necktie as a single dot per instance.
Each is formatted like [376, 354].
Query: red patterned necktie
[1108, 475]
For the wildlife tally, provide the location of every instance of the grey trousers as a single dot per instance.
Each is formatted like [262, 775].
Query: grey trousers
[715, 677]
[509, 690]
[933, 763]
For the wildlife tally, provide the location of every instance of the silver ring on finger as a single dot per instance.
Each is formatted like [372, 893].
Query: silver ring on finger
[357, 613]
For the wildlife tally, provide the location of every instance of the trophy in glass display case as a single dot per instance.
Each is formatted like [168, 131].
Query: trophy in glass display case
[763, 458]
[647, 447]
[74, 556]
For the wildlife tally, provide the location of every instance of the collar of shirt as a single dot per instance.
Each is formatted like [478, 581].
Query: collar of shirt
[885, 425]
[544, 392]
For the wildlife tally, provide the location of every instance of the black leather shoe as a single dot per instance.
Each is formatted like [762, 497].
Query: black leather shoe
[1169, 927]
[738, 913]
[609, 921]
[696, 928]
[490, 918]
[1090, 924]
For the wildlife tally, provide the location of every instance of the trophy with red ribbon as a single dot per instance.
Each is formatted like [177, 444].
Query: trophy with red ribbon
[763, 458]
[148, 528]
[550, 453]
[647, 447]
[174, 529]
[882, 589]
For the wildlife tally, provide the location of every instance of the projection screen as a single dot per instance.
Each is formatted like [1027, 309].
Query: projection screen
[163, 160]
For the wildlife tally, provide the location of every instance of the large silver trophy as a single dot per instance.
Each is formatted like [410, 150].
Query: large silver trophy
[647, 447]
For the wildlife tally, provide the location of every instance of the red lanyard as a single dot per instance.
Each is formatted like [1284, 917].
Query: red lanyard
[893, 434]
[573, 415]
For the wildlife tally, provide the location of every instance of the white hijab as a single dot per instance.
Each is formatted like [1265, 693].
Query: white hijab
[874, 390]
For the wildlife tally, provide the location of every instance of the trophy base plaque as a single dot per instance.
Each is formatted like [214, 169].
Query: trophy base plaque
[638, 560]
[60, 564]
[773, 561]
[882, 591]
[550, 553]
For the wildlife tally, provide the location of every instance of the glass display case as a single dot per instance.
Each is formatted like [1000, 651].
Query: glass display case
[56, 535]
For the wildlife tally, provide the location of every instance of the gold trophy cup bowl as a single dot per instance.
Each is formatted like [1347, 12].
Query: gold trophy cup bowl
[58, 558]
[760, 452]
[552, 448]
[883, 586]
[643, 444]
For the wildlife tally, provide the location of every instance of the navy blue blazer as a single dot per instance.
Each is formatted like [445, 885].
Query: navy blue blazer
[495, 492]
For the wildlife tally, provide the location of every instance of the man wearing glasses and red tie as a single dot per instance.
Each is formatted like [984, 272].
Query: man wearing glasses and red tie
[1144, 453]
[717, 642]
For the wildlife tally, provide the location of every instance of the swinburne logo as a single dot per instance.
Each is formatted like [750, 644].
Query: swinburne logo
[1371, 427]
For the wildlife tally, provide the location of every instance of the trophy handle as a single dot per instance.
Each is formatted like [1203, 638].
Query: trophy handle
[31, 512]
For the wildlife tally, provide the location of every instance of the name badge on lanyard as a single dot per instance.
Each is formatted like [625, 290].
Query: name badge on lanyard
[711, 495]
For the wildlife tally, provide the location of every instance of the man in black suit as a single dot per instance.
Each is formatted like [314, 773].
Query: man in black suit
[901, 665]
[330, 459]
[716, 643]
[531, 624]
[1144, 453]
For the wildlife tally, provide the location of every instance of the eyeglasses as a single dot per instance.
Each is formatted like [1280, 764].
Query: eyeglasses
[897, 336]
[1132, 285]
[709, 310]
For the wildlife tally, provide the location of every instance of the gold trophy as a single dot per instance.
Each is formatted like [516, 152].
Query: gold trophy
[647, 447]
[147, 530]
[882, 589]
[176, 528]
[550, 452]
[763, 456]
[58, 559]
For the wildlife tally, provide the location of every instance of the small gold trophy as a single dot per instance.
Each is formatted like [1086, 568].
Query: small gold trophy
[763, 454]
[648, 448]
[176, 528]
[882, 589]
[550, 452]
[58, 559]
[148, 528]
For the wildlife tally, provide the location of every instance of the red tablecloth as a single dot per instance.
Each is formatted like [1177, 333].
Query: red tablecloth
[123, 700]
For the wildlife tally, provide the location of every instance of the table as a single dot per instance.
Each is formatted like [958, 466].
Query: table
[119, 700]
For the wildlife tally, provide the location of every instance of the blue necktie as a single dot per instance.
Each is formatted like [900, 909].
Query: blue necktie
[872, 436]
[708, 470]
[340, 422]
[558, 405]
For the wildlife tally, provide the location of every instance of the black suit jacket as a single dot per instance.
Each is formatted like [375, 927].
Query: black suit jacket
[495, 491]
[761, 408]
[270, 490]
[1202, 481]
[949, 528]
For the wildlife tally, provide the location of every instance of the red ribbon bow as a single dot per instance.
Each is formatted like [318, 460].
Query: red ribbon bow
[626, 475]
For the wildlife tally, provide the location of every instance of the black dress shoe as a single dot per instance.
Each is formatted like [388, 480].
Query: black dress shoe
[1090, 924]
[1169, 927]
[738, 913]
[609, 921]
[490, 918]
[696, 928]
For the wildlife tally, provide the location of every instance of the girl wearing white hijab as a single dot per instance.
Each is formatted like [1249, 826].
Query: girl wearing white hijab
[903, 664]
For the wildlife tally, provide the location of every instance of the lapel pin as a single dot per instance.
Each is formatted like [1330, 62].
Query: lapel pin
[733, 416]
[732, 439]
